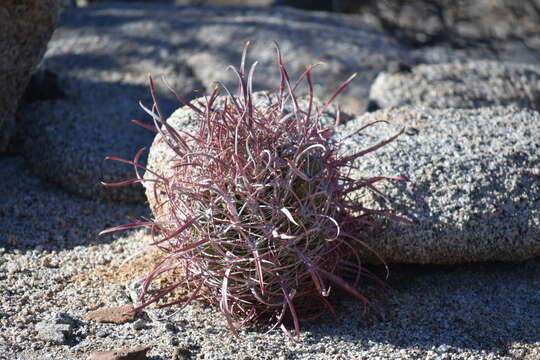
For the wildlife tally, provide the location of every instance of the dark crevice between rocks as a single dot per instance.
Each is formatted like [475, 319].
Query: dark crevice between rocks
[43, 85]
[372, 106]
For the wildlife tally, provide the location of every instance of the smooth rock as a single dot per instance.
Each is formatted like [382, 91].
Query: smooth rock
[468, 85]
[209, 39]
[26, 27]
[474, 193]
[115, 315]
[341, 42]
[56, 329]
[138, 353]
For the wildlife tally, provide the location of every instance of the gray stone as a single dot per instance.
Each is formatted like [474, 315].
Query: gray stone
[342, 42]
[56, 329]
[209, 39]
[444, 54]
[102, 55]
[103, 74]
[474, 193]
[24, 32]
[466, 85]
[507, 29]
[139, 324]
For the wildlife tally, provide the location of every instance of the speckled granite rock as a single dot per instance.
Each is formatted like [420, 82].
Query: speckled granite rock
[475, 183]
[67, 140]
[25, 29]
[102, 55]
[466, 85]
[103, 74]
[211, 38]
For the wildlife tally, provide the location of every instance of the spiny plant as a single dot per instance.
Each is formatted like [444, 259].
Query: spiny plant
[256, 209]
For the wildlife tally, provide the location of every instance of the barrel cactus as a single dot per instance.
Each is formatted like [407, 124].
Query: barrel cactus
[255, 209]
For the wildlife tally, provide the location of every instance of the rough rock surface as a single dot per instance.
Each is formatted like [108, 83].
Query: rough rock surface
[507, 29]
[466, 85]
[102, 55]
[103, 75]
[25, 29]
[56, 329]
[475, 183]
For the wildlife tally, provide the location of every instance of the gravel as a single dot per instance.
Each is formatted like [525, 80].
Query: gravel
[485, 311]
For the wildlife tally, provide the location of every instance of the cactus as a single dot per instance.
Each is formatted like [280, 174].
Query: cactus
[256, 209]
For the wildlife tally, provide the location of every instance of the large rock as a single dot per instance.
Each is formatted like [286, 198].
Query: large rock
[102, 55]
[475, 183]
[505, 28]
[211, 38]
[342, 42]
[466, 85]
[103, 74]
[67, 140]
[25, 29]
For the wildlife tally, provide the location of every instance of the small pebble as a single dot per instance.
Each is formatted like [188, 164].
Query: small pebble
[139, 324]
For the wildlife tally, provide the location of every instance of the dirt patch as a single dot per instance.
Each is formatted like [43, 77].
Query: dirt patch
[111, 274]
[111, 277]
